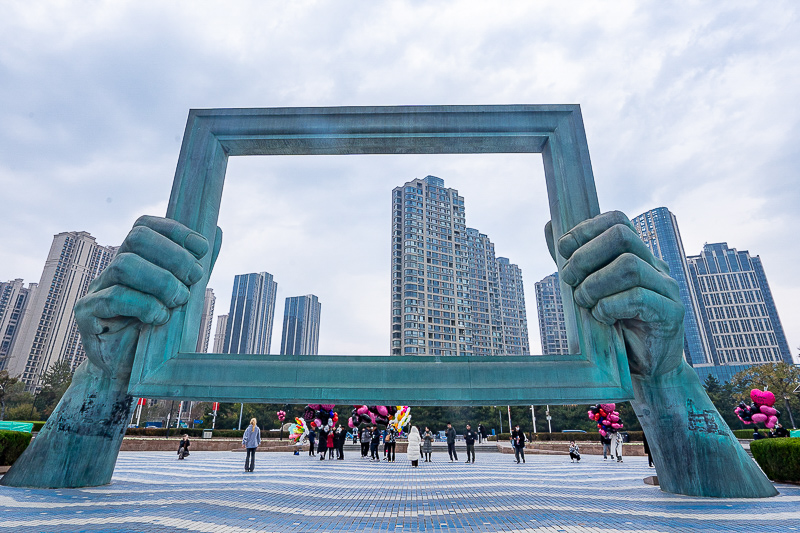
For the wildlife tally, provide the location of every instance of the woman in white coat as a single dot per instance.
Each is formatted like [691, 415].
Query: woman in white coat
[413, 452]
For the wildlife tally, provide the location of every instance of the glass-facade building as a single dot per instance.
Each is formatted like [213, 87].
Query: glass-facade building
[249, 325]
[450, 294]
[658, 229]
[301, 316]
[737, 307]
[552, 326]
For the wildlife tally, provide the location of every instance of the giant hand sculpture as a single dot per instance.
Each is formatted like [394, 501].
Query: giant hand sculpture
[616, 277]
[150, 275]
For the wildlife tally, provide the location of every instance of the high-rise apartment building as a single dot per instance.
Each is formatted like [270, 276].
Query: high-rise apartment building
[48, 332]
[249, 328]
[205, 321]
[447, 293]
[658, 229]
[219, 334]
[301, 325]
[737, 308]
[552, 326]
[14, 298]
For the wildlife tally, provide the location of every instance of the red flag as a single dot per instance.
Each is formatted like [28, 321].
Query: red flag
[142, 401]
[216, 406]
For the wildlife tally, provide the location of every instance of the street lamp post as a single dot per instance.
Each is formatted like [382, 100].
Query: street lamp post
[547, 413]
[533, 418]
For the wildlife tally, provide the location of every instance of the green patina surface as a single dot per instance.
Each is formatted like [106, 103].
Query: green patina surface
[140, 320]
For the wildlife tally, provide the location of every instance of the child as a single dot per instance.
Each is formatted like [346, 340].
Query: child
[574, 451]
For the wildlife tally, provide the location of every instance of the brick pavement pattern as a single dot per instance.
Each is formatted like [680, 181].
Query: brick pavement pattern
[210, 492]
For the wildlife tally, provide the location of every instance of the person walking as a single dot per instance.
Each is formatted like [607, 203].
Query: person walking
[616, 446]
[469, 438]
[427, 444]
[413, 446]
[312, 437]
[450, 433]
[331, 444]
[250, 440]
[183, 447]
[605, 440]
[365, 437]
[390, 444]
[574, 452]
[374, 442]
[518, 442]
[481, 433]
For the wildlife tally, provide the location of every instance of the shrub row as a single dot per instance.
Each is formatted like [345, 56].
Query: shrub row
[748, 433]
[778, 458]
[634, 436]
[12, 444]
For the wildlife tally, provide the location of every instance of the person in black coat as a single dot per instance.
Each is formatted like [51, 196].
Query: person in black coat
[312, 435]
[339, 436]
[469, 438]
[518, 442]
[322, 443]
[450, 433]
[183, 447]
[374, 442]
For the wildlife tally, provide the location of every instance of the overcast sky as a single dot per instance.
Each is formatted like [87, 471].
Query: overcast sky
[692, 106]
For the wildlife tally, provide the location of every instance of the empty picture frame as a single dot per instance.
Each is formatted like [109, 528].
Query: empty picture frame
[596, 369]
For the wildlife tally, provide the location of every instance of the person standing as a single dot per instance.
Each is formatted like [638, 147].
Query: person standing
[450, 433]
[469, 438]
[647, 451]
[605, 440]
[616, 446]
[366, 435]
[374, 442]
[518, 442]
[183, 447]
[574, 452]
[390, 444]
[322, 443]
[481, 433]
[331, 443]
[427, 444]
[341, 437]
[312, 436]
[413, 446]
[250, 441]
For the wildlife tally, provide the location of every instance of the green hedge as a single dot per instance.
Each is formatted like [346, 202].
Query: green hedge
[748, 433]
[778, 458]
[12, 444]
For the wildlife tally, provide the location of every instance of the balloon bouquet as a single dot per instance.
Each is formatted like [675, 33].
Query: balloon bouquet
[761, 411]
[391, 416]
[281, 418]
[320, 416]
[606, 417]
[298, 432]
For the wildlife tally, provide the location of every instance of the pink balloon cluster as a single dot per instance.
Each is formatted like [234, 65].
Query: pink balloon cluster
[281, 415]
[606, 417]
[760, 411]
[371, 414]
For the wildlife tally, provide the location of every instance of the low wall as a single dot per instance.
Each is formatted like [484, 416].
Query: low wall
[562, 448]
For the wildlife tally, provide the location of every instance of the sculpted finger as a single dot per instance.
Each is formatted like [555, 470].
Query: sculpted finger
[136, 273]
[600, 251]
[588, 230]
[177, 232]
[548, 238]
[640, 304]
[119, 301]
[217, 247]
[164, 252]
[625, 272]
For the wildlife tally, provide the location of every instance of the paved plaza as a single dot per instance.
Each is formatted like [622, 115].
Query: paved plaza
[210, 492]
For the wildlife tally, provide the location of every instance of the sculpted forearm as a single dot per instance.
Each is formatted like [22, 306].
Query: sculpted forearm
[695, 452]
